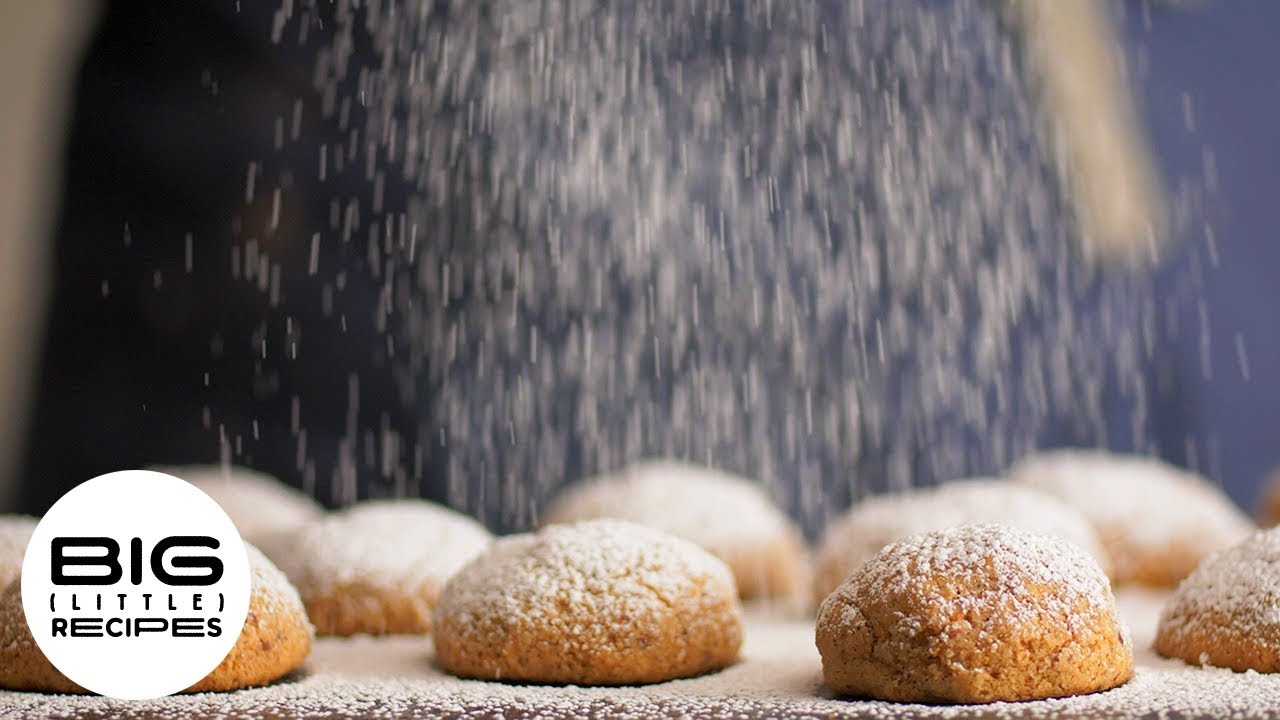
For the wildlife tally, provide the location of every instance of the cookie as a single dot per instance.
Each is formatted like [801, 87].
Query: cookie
[730, 517]
[1224, 613]
[274, 642]
[1157, 521]
[868, 526]
[1267, 510]
[601, 602]
[378, 567]
[263, 509]
[974, 614]
[15, 533]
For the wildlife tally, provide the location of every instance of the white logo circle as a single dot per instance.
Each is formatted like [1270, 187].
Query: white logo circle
[135, 585]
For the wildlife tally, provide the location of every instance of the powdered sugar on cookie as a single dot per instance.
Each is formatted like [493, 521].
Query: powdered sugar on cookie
[597, 602]
[393, 544]
[269, 589]
[720, 512]
[874, 523]
[588, 564]
[1227, 612]
[731, 517]
[974, 614]
[779, 675]
[1156, 520]
[1014, 567]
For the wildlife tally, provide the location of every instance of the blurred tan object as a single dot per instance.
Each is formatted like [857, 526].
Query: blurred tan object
[1157, 521]
[1267, 507]
[856, 537]
[40, 44]
[1100, 144]
[260, 505]
[733, 518]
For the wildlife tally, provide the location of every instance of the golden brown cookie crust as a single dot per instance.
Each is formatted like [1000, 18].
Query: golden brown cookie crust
[1150, 565]
[938, 619]
[274, 642]
[731, 517]
[22, 665]
[271, 645]
[15, 532]
[637, 606]
[650, 652]
[360, 608]
[378, 566]
[775, 572]
[1216, 640]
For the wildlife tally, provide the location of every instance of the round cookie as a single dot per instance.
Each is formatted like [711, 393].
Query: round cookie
[15, 533]
[1267, 511]
[378, 567]
[1224, 613]
[730, 517]
[875, 522]
[263, 509]
[274, 642]
[600, 602]
[1157, 521]
[974, 614]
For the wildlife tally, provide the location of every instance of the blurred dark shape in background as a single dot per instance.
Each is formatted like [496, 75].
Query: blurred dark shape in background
[155, 344]
[194, 133]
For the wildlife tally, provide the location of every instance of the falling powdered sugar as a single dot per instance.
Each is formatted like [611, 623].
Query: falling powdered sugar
[817, 242]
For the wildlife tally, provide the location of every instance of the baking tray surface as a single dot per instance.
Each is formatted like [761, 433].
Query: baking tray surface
[779, 676]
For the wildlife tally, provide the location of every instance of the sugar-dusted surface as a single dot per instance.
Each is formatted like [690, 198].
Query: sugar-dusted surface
[718, 511]
[875, 522]
[604, 602]
[581, 563]
[779, 676]
[1227, 612]
[974, 614]
[403, 544]
[275, 639]
[731, 517]
[258, 504]
[272, 593]
[997, 552]
[1158, 521]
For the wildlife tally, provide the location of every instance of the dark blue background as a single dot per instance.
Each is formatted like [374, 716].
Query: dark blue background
[1224, 57]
